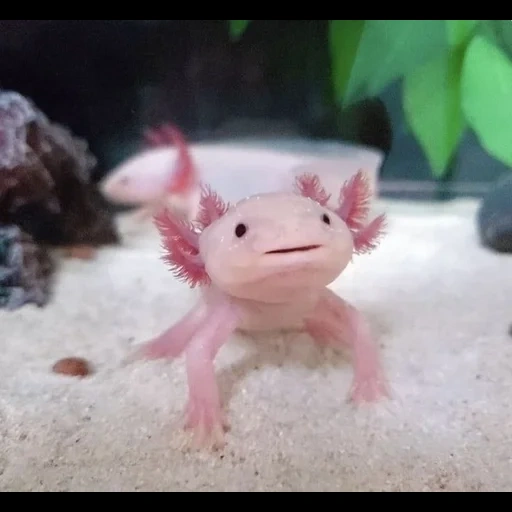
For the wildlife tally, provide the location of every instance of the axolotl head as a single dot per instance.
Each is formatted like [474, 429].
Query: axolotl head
[272, 246]
[141, 179]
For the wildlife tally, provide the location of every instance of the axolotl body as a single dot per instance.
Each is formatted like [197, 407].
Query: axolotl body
[264, 264]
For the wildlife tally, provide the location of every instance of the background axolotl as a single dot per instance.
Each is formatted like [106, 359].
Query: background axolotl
[170, 178]
[264, 264]
[167, 174]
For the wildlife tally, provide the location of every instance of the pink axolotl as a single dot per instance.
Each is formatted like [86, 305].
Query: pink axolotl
[264, 264]
[167, 182]
[167, 174]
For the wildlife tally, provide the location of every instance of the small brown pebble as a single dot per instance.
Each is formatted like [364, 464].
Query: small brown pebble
[72, 366]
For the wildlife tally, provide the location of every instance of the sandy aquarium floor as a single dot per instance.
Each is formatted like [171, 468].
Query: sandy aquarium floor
[440, 306]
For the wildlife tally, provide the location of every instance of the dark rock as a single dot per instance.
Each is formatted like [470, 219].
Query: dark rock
[495, 217]
[25, 270]
[45, 179]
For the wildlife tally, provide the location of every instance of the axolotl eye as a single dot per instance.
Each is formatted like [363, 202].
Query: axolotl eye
[240, 230]
[326, 219]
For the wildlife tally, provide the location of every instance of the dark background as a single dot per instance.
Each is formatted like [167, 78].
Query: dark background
[109, 79]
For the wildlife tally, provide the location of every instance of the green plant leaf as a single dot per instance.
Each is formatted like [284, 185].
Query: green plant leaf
[432, 107]
[344, 37]
[237, 27]
[460, 31]
[391, 49]
[487, 97]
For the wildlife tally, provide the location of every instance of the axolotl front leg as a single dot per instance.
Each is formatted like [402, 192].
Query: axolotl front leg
[185, 207]
[337, 322]
[200, 334]
[149, 210]
[171, 343]
[204, 414]
[143, 213]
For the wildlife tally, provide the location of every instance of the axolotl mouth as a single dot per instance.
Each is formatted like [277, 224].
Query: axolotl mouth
[304, 248]
[292, 266]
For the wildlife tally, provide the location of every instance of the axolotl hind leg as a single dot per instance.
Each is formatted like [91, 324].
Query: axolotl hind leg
[204, 415]
[337, 322]
[171, 343]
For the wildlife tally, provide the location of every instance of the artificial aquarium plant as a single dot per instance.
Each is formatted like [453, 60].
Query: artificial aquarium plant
[456, 76]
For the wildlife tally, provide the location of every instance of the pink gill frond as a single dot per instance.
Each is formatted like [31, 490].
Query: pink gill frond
[184, 176]
[354, 207]
[308, 185]
[180, 242]
[367, 238]
[211, 207]
[354, 201]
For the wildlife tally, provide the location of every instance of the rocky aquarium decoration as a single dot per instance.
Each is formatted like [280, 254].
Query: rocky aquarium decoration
[46, 195]
[25, 270]
[495, 217]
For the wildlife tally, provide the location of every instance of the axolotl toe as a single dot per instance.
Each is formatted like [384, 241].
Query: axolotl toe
[264, 264]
